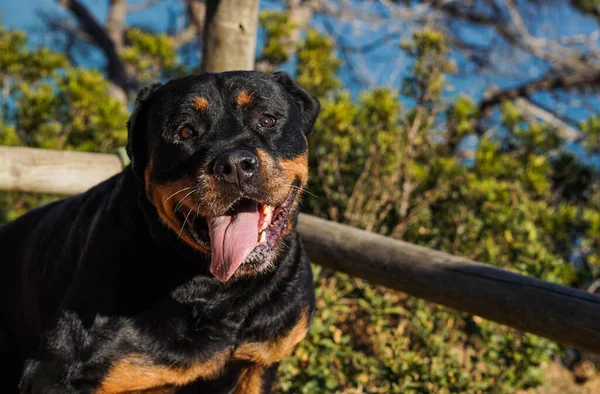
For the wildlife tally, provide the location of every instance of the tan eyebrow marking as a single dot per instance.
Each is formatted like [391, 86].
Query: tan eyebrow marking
[244, 97]
[200, 103]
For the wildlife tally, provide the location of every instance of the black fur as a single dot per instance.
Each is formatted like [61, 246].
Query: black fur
[90, 279]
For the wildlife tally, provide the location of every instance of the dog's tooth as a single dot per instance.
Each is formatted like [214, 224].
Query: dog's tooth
[267, 217]
[268, 214]
[267, 210]
[263, 237]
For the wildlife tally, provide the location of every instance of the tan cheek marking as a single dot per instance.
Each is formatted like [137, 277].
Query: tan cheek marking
[199, 103]
[296, 168]
[164, 198]
[155, 196]
[280, 175]
[275, 184]
[136, 373]
[158, 390]
[244, 98]
[269, 353]
[251, 381]
[289, 227]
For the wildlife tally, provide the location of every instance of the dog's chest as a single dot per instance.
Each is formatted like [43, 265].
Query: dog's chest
[137, 372]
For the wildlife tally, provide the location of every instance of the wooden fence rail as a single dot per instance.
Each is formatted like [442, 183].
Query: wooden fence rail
[565, 315]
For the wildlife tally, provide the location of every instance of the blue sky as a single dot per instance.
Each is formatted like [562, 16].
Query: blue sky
[381, 65]
[21, 13]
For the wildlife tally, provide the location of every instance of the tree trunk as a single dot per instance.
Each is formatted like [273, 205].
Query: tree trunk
[230, 35]
[115, 23]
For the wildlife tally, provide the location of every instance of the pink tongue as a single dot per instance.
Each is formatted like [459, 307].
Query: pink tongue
[232, 239]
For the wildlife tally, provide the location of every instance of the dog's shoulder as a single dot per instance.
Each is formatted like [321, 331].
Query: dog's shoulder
[58, 222]
[41, 251]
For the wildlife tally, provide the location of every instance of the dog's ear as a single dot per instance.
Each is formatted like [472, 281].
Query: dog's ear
[136, 145]
[309, 106]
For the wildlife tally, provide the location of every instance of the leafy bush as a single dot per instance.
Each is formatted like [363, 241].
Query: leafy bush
[367, 339]
[50, 104]
[392, 163]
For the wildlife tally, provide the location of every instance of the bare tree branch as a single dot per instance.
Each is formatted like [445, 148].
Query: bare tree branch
[196, 10]
[300, 13]
[581, 38]
[115, 23]
[186, 35]
[196, 13]
[348, 11]
[565, 128]
[143, 6]
[370, 46]
[65, 26]
[512, 29]
[115, 67]
[364, 79]
[550, 81]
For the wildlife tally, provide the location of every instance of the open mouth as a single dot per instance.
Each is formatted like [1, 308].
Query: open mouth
[246, 234]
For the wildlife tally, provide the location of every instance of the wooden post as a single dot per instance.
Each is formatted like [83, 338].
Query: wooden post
[230, 35]
[565, 315]
[53, 171]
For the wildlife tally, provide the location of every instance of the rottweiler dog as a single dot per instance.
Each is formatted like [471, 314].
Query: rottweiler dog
[183, 273]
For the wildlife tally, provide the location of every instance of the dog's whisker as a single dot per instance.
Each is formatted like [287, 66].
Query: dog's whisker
[177, 192]
[184, 222]
[195, 214]
[304, 189]
[180, 203]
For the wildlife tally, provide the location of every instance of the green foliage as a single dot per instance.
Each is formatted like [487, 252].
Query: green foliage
[277, 29]
[8, 136]
[394, 169]
[427, 80]
[47, 103]
[50, 104]
[72, 111]
[460, 115]
[30, 65]
[591, 128]
[317, 64]
[538, 137]
[367, 339]
[152, 55]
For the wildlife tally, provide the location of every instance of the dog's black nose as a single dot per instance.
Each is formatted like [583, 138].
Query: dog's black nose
[236, 166]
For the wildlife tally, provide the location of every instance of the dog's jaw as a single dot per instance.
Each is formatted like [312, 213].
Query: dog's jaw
[247, 235]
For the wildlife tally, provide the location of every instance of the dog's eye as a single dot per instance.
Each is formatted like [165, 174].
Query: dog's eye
[267, 121]
[185, 133]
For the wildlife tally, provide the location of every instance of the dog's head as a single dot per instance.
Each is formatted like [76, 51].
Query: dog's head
[223, 158]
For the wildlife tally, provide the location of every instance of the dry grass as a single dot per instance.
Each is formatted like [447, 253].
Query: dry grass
[584, 379]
